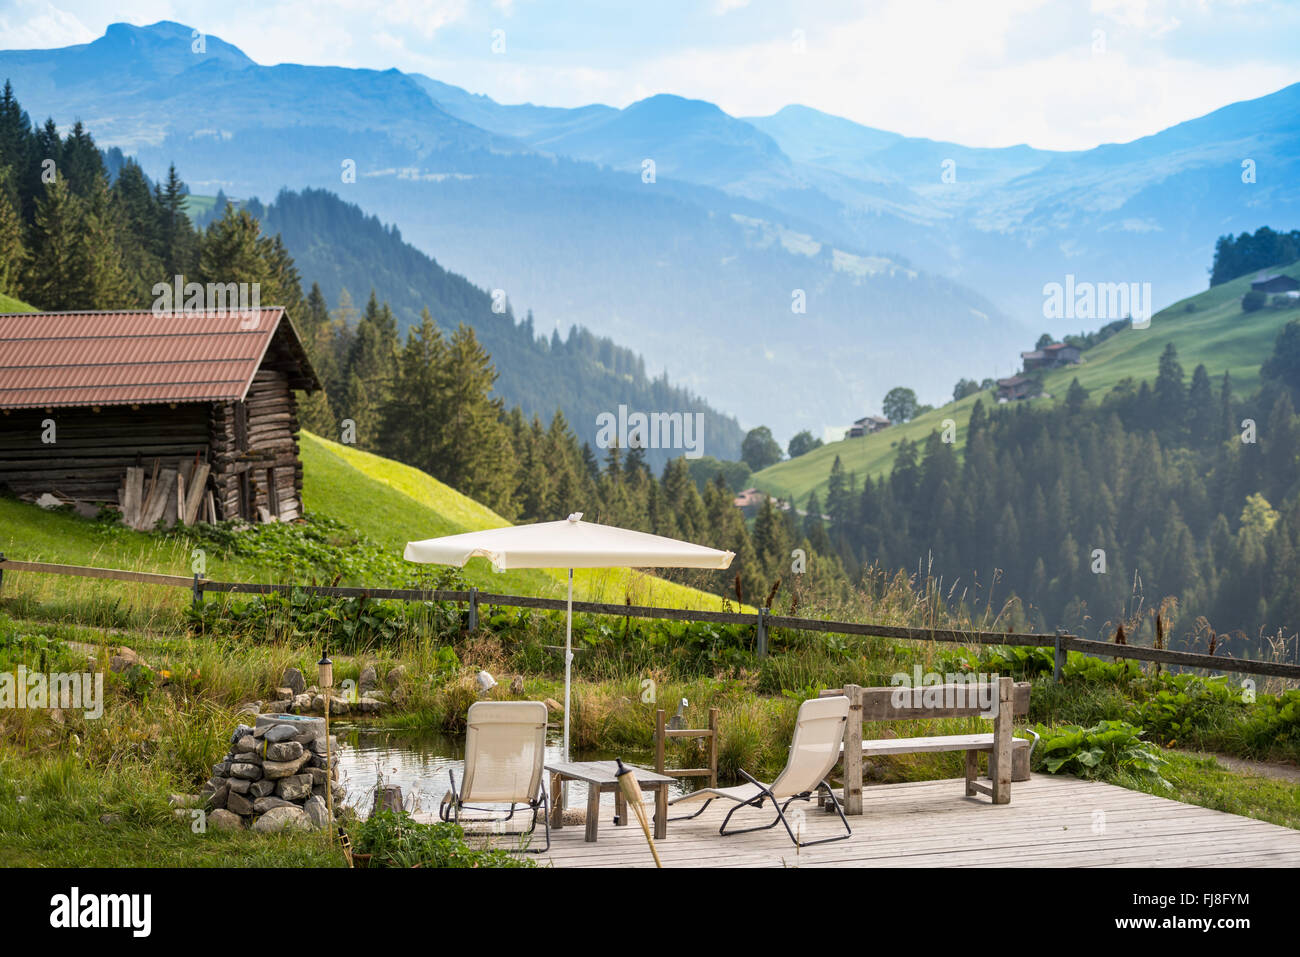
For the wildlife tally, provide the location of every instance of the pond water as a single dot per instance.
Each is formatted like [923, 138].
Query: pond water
[418, 762]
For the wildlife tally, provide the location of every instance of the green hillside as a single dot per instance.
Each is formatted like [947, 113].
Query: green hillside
[1216, 332]
[393, 503]
[387, 502]
[10, 304]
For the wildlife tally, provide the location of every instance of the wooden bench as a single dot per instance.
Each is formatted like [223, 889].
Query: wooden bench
[1008, 756]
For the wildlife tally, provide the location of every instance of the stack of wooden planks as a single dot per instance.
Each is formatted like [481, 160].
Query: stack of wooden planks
[167, 494]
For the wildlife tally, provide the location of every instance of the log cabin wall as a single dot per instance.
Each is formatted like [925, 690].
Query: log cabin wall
[254, 446]
[92, 450]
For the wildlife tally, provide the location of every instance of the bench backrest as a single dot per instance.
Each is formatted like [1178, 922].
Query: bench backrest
[932, 701]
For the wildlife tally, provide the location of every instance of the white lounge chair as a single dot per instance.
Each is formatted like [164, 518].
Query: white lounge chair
[818, 735]
[505, 752]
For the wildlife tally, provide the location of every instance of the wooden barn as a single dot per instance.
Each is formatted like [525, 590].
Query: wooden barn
[186, 416]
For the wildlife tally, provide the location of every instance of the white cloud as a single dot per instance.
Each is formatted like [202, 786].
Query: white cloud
[38, 24]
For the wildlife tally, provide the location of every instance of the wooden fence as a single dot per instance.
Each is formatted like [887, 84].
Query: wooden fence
[762, 619]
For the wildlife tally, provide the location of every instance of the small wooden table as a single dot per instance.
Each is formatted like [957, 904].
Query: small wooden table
[599, 778]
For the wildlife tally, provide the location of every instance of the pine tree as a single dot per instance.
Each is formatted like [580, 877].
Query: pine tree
[53, 282]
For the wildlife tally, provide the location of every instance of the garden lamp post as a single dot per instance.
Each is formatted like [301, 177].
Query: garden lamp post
[325, 671]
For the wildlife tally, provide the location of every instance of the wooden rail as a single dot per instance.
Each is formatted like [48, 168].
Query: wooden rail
[761, 620]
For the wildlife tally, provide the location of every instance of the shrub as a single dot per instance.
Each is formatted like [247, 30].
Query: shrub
[1105, 750]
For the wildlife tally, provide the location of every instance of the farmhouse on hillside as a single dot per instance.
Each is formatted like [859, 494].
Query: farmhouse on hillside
[179, 416]
[1274, 283]
[1017, 387]
[1051, 357]
[867, 425]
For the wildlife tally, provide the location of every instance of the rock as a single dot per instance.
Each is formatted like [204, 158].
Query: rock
[293, 727]
[282, 819]
[301, 702]
[283, 751]
[130, 657]
[278, 706]
[517, 684]
[223, 820]
[318, 776]
[249, 707]
[369, 706]
[252, 757]
[184, 800]
[285, 692]
[264, 804]
[294, 788]
[247, 743]
[221, 770]
[110, 819]
[294, 680]
[240, 785]
[319, 745]
[220, 796]
[553, 705]
[395, 676]
[239, 804]
[247, 771]
[261, 788]
[368, 680]
[317, 812]
[274, 770]
[241, 732]
[280, 732]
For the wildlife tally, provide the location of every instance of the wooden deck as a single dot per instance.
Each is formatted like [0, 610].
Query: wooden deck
[1050, 822]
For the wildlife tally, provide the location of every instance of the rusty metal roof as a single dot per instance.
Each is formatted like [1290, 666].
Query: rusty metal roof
[50, 359]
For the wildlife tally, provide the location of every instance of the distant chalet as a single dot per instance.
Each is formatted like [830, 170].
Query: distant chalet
[1274, 283]
[868, 425]
[97, 407]
[1016, 387]
[1051, 357]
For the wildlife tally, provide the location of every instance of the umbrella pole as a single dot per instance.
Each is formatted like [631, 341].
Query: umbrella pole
[568, 666]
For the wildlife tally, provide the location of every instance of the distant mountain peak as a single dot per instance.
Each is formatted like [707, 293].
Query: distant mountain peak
[170, 43]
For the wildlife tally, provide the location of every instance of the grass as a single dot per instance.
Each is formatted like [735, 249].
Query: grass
[1203, 781]
[10, 304]
[1216, 332]
[393, 503]
[50, 816]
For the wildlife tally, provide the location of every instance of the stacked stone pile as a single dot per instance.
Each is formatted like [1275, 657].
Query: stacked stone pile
[275, 776]
[297, 697]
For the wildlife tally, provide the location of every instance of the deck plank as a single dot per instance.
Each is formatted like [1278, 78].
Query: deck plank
[1049, 823]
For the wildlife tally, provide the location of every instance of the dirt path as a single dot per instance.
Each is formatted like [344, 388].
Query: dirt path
[1268, 769]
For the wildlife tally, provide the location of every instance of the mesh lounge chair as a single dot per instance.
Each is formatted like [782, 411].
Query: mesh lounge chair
[505, 751]
[818, 734]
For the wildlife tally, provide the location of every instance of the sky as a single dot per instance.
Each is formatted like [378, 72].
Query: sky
[1056, 74]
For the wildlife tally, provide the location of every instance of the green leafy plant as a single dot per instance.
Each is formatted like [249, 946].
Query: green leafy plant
[1102, 751]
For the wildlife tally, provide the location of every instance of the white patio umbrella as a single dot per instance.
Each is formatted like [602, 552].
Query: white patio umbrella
[569, 544]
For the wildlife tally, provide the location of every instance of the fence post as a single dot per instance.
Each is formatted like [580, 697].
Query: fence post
[1059, 663]
[853, 751]
[659, 741]
[473, 609]
[762, 633]
[198, 590]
